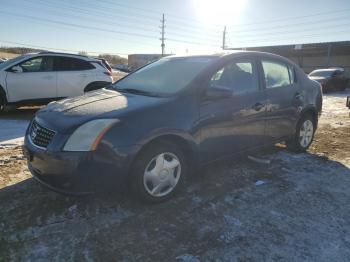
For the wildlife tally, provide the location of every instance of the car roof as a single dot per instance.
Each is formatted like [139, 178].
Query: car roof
[87, 58]
[230, 53]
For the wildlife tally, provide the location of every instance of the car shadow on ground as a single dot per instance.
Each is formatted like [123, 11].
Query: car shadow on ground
[344, 93]
[233, 209]
[23, 113]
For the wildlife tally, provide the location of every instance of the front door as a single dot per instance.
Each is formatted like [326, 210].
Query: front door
[37, 80]
[237, 122]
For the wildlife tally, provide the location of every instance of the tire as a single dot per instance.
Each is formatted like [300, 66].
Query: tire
[154, 182]
[345, 85]
[330, 87]
[300, 143]
[95, 86]
[324, 89]
[2, 104]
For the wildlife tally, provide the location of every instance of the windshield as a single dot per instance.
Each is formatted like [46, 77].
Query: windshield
[10, 61]
[322, 73]
[165, 77]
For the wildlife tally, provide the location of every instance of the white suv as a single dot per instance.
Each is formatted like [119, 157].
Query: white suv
[43, 77]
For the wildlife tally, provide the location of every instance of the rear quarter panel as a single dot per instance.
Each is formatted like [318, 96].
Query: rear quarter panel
[312, 93]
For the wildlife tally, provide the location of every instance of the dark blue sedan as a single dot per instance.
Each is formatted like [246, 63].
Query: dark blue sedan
[150, 128]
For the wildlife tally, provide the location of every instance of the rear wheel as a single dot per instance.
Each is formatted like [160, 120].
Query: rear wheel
[304, 134]
[2, 103]
[159, 172]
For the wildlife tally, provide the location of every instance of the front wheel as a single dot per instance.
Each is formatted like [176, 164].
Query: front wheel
[304, 134]
[159, 172]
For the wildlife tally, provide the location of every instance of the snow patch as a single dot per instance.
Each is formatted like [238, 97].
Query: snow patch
[259, 183]
[187, 258]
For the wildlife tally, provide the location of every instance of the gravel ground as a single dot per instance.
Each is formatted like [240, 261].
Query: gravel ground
[294, 209]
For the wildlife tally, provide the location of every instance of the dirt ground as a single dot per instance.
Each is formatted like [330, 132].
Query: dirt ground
[294, 209]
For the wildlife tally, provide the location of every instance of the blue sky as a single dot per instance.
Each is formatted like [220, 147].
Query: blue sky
[123, 27]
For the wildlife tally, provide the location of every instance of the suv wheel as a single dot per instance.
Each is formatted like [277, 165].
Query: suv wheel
[159, 172]
[304, 134]
[2, 103]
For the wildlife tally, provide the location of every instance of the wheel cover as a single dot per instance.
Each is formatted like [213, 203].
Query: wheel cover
[162, 174]
[306, 133]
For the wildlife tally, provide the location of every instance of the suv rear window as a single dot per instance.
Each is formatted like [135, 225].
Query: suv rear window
[71, 64]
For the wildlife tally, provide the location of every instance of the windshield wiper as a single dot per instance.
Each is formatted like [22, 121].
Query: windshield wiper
[136, 91]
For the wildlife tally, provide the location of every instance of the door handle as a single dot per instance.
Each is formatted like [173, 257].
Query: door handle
[258, 106]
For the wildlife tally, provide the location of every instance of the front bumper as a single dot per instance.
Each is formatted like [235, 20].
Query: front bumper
[79, 173]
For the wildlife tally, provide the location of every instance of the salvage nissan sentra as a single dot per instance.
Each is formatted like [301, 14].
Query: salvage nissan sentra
[150, 128]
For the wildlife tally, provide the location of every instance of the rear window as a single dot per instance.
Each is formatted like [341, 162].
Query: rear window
[72, 64]
[106, 65]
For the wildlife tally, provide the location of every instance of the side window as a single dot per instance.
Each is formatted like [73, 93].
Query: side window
[38, 64]
[72, 64]
[276, 74]
[240, 77]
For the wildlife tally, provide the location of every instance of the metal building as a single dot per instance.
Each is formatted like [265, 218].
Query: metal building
[313, 56]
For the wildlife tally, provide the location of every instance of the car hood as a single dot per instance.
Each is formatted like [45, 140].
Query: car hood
[67, 114]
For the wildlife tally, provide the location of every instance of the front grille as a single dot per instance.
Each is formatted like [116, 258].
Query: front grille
[40, 135]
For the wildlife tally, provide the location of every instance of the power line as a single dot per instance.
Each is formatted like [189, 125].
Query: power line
[295, 17]
[92, 27]
[103, 10]
[185, 27]
[249, 24]
[267, 21]
[182, 18]
[78, 26]
[176, 17]
[298, 31]
[289, 25]
[90, 12]
[54, 12]
[192, 42]
[183, 34]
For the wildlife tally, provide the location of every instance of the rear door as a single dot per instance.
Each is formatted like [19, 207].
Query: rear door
[36, 81]
[234, 123]
[73, 75]
[284, 97]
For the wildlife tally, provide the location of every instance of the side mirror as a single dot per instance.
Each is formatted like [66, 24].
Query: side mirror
[16, 69]
[217, 91]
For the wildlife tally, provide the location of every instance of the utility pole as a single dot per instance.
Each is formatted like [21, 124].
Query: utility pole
[224, 38]
[162, 33]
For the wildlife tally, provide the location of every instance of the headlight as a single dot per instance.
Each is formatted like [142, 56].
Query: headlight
[87, 136]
